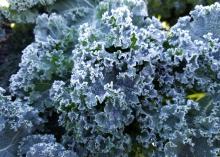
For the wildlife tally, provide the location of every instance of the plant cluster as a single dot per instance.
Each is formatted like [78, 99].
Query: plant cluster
[104, 79]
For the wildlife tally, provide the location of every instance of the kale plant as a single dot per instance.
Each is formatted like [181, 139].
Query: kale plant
[104, 79]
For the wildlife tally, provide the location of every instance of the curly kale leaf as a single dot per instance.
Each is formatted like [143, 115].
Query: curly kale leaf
[202, 20]
[43, 145]
[17, 119]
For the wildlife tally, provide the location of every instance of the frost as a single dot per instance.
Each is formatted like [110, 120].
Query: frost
[118, 83]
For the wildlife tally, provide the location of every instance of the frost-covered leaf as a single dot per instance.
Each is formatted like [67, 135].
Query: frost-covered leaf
[49, 150]
[202, 20]
[9, 141]
[31, 140]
